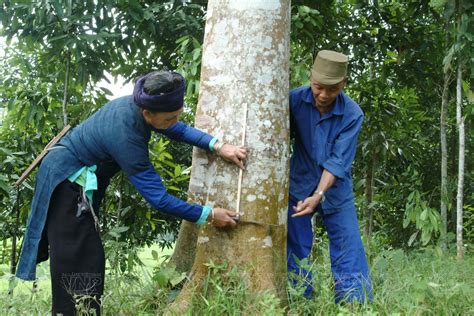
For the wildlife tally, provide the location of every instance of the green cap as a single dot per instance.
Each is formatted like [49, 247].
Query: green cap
[329, 67]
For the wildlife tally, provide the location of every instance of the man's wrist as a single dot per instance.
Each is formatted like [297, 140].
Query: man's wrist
[319, 194]
[212, 143]
[206, 214]
[218, 147]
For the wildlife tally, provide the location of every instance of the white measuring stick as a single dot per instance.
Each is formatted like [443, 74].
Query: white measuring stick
[239, 184]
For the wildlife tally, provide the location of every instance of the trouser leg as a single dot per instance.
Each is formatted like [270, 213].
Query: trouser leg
[299, 243]
[77, 260]
[348, 261]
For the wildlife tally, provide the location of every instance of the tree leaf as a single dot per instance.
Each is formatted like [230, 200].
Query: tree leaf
[412, 238]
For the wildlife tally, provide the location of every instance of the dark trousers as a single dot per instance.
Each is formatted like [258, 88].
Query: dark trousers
[77, 259]
[348, 261]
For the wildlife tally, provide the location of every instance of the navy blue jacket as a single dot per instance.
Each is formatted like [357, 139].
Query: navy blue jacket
[114, 138]
[328, 142]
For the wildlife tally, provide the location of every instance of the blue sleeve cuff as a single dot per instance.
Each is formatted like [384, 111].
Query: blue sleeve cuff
[206, 210]
[212, 143]
[335, 168]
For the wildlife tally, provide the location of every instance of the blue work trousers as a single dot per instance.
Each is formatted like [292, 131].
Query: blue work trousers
[348, 261]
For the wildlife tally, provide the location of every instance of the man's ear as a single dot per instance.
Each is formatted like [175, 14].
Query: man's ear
[146, 115]
[344, 81]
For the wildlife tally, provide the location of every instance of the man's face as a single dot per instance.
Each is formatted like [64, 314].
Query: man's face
[325, 95]
[162, 120]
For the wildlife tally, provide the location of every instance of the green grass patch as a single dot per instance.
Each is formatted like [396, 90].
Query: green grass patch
[35, 298]
[420, 283]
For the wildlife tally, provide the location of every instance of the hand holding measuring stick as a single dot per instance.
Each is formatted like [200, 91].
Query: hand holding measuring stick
[231, 153]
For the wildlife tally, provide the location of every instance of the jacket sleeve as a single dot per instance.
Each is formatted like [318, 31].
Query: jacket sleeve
[150, 186]
[184, 133]
[132, 157]
[342, 152]
[292, 118]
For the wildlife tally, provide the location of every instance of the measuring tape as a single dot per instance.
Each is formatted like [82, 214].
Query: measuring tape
[239, 183]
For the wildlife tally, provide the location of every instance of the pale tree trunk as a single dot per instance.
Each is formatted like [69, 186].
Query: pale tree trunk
[66, 87]
[459, 199]
[245, 65]
[444, 160]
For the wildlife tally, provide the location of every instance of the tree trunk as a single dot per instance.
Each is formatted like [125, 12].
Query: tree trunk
[459, 199]
[245, 65]
[185, 248]
[369, 197]
[13, 260]
[66, 87]
[369, 186]
[444, 161]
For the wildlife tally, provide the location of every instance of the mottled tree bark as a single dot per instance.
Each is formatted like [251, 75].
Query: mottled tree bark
[66, 87]
[444, 160]
[462, 140]
[245, 62]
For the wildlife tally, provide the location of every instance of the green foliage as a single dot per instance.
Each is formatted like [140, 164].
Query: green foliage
[82, 29]
[421, 282]
[428, 282]
[305, 21]
[189, 63]
[468, 222]
[167, 276]
[225, 292]
[426, 219]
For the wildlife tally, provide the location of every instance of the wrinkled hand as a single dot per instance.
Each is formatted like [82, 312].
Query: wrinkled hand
[222, 218]
[235, 154]
[306, 207]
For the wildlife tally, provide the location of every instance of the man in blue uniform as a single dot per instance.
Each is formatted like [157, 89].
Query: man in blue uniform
[325, 124]
[73, 177]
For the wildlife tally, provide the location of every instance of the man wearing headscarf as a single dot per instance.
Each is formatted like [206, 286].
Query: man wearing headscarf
[325, 124]
[73, 177]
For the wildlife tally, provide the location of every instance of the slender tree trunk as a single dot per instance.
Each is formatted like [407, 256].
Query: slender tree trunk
[15, 233]
[459, 199]
[4, 251]
[369, 186]
[369, 197]
[66, 87]
[245, 65]
[444, 160]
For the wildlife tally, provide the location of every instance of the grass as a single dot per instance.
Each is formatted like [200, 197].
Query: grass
[425, 282]
[421, 283]
[29, 300]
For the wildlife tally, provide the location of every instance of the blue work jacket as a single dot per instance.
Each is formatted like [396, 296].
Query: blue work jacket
[114, 138]
[328, 142]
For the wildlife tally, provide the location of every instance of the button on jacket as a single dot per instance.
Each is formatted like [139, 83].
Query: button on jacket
[323, 142]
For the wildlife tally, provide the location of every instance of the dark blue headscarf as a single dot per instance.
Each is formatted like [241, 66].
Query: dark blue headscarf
[166, 102]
